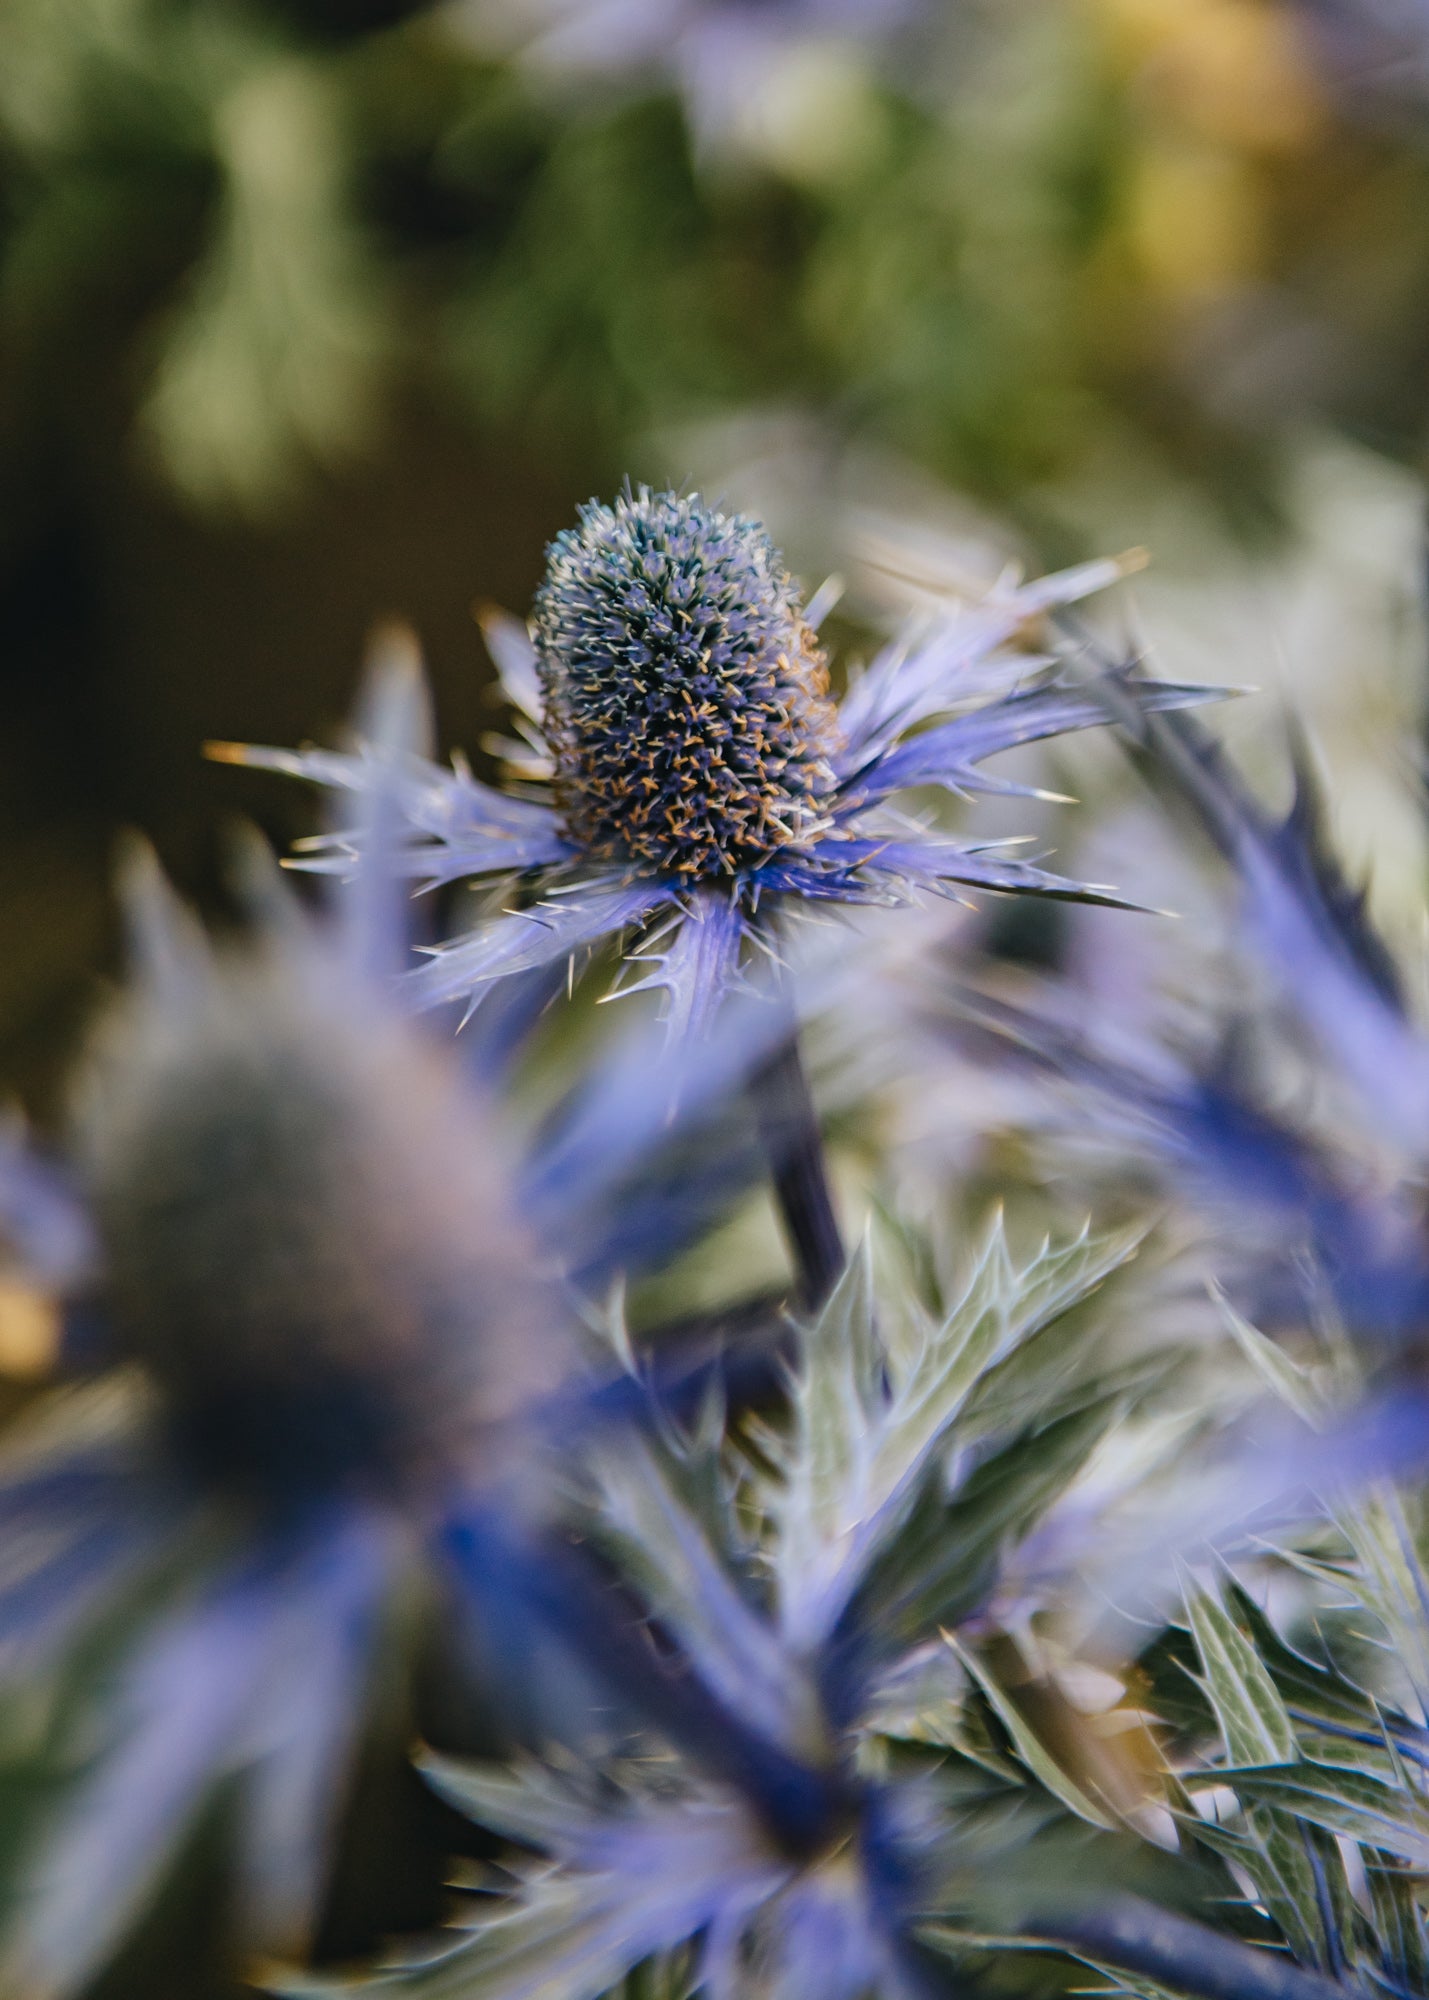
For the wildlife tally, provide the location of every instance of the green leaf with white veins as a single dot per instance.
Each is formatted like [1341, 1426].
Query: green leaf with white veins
[858, 1451]
[1391, 1581]
[1254, 1721]
[1272, 1850]
[826, 1466]
[1390, 1818]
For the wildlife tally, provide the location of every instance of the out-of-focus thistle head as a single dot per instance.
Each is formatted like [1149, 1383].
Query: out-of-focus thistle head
[1299, 1127]
[345, 1381]
[686, 700]
[307, 1225]
[1334, 1197]
[703, 786]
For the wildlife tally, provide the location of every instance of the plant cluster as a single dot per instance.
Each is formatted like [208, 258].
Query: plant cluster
[940, 1619]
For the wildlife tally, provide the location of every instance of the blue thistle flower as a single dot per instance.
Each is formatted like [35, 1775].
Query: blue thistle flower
[1311, 1228]
[675, 700]
[1208, 1120]
[337, 1354]
[308, 1236]
[817, 1592]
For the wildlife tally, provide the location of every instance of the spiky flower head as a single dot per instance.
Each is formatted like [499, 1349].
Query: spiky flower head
[703, 785]
[686, 699]
[307, 1252]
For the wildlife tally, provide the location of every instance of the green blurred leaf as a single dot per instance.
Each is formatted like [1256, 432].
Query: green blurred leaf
[1342, 1800]
[1283, 1376]
[523, 1802]
[1029, 1746]
[1253, 1719]
[556, 1943]
[826, 1485]
[273, 360]
[941, 1562]
[1391, 1581]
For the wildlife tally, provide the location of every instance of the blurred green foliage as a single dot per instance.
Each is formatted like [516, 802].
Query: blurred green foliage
[323, 310]
[263, 227]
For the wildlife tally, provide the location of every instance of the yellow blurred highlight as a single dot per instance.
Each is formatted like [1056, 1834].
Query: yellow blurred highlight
[1194, 219]
[1233, 72]
[29, 1332]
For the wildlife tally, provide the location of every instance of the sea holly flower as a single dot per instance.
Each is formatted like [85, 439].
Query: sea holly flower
[829, 1590]
[1300, 1226]
[1217, 1122]
[1299, 914]
[690, 783]
[696, 781]
[336, 1355]
[684, 698]
[1297, 1128]
[309, 1272]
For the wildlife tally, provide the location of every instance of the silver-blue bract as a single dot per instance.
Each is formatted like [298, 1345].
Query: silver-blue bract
[1216, 1122]
[698, 783]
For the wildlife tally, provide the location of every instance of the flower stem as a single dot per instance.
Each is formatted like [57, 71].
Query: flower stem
[794, 1146]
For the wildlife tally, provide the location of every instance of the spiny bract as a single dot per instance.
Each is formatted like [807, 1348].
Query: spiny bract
[686, 698]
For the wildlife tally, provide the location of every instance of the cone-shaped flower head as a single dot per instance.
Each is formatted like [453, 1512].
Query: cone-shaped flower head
[702, 785]
[313, 1260]
[686, 700]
